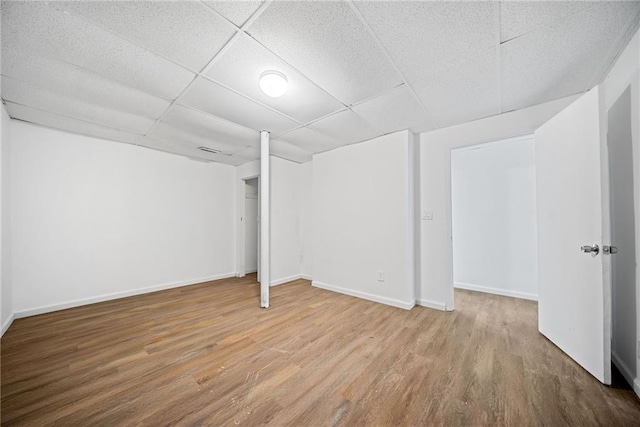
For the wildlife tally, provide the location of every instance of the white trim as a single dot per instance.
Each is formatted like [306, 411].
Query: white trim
[253, 270]
[306, 277]
[376, 298]
[117, 295]
[285, 280]
[496, 291]
[442, 306]
[7, 323]
[626, 372]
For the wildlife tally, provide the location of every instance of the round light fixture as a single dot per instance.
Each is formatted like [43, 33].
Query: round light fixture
[273, 83]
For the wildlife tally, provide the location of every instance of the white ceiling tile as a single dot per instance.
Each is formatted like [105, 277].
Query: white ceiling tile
[169, 133]
[564, 59]
[171, 147]
[309, 140]
[240, 68]
[462, 93]
[211, 127]
[175, 29]
[78, 83]
[521, 17]
[423, 37]
[56, 121]
[41, 99]
[393, 111]
[247, 154]
[346, 127]
[236, 11]
[289, 151]
[44, 30]
[186, 150]
[232, 160]
[222, 102]
[327, 43]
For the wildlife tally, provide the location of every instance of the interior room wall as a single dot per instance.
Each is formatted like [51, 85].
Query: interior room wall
[361, 215]
[436, 259]
[94, 220]
[624, 74]
[494, 218]
[285, 221]
[306, 219]
[6, 295]
[251, 226]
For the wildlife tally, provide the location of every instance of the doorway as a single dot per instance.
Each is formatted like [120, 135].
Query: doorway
[251, 214]
[623, 263]
[493, 206]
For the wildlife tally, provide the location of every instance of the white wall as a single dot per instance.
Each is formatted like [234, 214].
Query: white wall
[306, 219]
[494, 218]
[436, 266]
[625, 346]
[6, 294]
[361, 216]
[93, 219]
[285, 220]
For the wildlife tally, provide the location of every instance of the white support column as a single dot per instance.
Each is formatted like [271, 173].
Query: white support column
[265, 222]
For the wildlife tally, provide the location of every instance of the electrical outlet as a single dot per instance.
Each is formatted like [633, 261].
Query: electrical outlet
[380, 275]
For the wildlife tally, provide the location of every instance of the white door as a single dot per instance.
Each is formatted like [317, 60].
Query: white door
[574, 293]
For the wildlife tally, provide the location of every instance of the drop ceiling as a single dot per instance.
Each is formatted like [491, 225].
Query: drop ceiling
[175, 76]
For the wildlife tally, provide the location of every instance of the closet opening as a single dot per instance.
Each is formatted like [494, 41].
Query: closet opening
[251, 220]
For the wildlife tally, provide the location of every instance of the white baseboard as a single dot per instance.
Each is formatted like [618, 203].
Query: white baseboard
[626, 372]
[495, 291]
[6, 324]
[306, 277]
[253, 270]
[285, 280]
[376, 298]
[432, 304]
[116, 295]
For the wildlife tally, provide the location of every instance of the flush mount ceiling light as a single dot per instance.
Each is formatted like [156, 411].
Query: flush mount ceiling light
[273, 83]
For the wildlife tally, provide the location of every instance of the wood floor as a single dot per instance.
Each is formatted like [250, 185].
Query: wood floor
[208, 355]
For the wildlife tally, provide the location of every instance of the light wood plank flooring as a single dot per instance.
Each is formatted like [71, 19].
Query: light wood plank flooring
[208, 355]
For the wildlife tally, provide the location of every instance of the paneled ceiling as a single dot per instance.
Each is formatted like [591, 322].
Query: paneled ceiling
[175, 76]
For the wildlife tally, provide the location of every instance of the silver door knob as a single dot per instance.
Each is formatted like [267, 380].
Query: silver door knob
[593, 249]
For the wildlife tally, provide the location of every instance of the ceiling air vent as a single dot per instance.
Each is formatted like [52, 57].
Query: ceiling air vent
[209, 150]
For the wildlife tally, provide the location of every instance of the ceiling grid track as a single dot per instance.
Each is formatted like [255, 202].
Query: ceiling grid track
[117, 71]
[78, 119]
[391, 61]
[238, 32]
[619, 44]
[225, 48]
